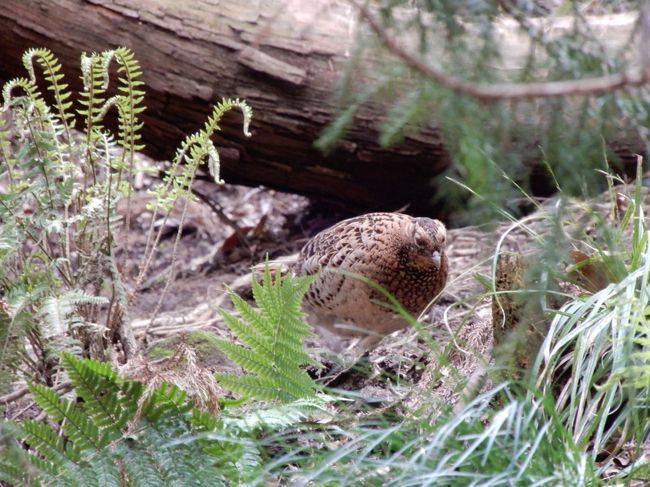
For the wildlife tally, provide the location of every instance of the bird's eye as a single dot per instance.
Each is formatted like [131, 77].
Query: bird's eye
[421, 242]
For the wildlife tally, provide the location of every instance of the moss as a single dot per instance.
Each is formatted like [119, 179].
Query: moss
[203, 343]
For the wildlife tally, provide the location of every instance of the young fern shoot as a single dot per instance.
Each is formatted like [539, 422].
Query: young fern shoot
[178, 181]
[273, 337]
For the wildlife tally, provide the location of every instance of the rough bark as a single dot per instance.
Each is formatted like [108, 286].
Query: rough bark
[194, 54]
[274, 54]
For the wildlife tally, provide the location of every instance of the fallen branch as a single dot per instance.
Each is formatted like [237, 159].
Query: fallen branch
[15, 395]
[506, 91]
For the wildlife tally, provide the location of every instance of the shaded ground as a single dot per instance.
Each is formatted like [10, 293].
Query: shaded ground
[212, 255]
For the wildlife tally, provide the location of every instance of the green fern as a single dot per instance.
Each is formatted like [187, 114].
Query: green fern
[130, 104]
[196, 149]
[28, 87]
[97, 384]
[57, 258]
[107, 439]
[52, 68]
[94, 73]
[273, 335]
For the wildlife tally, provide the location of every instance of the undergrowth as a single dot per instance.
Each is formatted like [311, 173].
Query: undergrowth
[118, 435]
[63, 297]
[577, 416]
[564, 421]
[63, 243]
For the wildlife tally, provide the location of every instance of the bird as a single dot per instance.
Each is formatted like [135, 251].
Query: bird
[403, 254]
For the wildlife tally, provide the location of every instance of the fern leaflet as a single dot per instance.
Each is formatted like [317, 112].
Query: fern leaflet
[273, 336]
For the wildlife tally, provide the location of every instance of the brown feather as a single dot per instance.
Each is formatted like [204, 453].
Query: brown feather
[405, 255]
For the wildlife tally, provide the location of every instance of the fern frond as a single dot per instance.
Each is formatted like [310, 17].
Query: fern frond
[56, 311]
[280, 307]
[48, 443]
[12, 328]
[278, 367]
[11, 473]
[212, 125]
[246, 333]
[83, 433]
[192, 152]
[225, 105]
[96, 383]
[94, 73]
[30, 89]
[7, 157]
[250, 386]
[178, 456]
[140, 464]
[105, 470]
[197, 147]
[281, 416]
[52, 70]
[268, 302]
[273, 336]
[131, 99]
[167, 398]
[278, 375]
[49, 401]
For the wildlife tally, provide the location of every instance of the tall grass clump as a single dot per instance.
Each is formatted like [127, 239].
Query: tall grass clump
[577, 417]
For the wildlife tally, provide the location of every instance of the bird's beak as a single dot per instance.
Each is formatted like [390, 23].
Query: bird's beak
[436, 258]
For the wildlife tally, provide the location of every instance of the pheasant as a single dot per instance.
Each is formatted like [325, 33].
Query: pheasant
[403, 254]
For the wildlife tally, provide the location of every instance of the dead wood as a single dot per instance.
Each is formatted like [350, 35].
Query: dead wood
[284, 57]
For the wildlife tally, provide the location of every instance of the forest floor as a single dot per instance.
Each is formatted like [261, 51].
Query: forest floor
[192, 272]
[213, 255]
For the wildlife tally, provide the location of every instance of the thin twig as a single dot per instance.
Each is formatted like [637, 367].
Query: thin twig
[14, 396]
[506, 91]
[172, 265]
[218, 210]
[24, 390]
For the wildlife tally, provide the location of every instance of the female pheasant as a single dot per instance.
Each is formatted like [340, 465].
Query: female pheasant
[405, 255]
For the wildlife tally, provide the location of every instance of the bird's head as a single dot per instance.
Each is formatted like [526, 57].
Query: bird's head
[428, 239]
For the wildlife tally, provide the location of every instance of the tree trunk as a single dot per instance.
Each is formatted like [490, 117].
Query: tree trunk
[272, 53]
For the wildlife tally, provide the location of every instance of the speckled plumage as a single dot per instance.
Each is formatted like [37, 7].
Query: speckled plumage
[405, 255]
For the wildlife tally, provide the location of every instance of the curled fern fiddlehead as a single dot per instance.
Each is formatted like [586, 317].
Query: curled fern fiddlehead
[52, 72]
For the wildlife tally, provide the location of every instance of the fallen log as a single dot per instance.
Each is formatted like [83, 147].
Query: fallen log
[284, 57]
